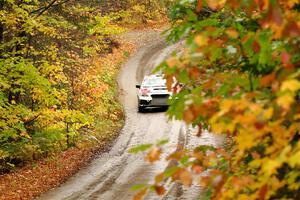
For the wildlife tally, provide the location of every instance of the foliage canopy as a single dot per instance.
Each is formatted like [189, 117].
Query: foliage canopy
[54, 90]
[240, 72]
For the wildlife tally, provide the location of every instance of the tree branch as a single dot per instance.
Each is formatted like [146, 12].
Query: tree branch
[44, 9]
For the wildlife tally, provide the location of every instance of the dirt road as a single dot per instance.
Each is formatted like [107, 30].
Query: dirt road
[111, 175]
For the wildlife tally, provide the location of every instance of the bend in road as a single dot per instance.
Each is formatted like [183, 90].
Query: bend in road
[110, 176]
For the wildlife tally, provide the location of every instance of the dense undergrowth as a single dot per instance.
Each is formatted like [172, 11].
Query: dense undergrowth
[56, 88]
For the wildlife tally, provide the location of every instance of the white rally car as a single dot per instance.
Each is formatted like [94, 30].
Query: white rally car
[153, 92]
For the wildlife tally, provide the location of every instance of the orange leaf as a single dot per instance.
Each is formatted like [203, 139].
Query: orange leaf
[188, 116]
[262, 4]
[199, 6]
[263, 191]
[232, 33]
[292, 29]
[268, 79]
[204, 181]
[201, 40]
[215, 4]
[194, 73]
[160, 190]
[153, 155]
[197, 169]
[208, 84]
[172, 62]
[177, 155]
[186, 178]
[140, 195]
[274, 16]
[159, 178]
[169, 82]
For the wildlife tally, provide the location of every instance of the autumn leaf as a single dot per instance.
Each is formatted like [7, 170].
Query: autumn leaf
[256, 47]
[169, 82]
[199, 5]
[232, 33]
[140, 195]
[263, 191]
[160, 190]
[274, 16]
[201, 40]
[186, 178]
[290, 85]
[159, 178]
[262, 4]
[140, 148]
[204, 181]
[286, 60]
[153, 155]
[188, 116]
[172, 62]
[194, 73]
[197, 169]
[270, 166]
[215, 4]
[268, 79]
[285, 101]
[292, 29]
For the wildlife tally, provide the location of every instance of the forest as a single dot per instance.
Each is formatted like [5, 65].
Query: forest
[53, 92]
[239, 71]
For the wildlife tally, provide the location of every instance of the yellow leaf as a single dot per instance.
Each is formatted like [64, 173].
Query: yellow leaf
[291, 3]
[297, 116]
[270, 166]
[25, 134]
[294, 159]
[268, 113]
[226, 105]
[285, 101]
[245, 141]
[201, 40]
[292, 85]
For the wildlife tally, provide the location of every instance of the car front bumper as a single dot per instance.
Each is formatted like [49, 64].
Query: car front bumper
[153, 100]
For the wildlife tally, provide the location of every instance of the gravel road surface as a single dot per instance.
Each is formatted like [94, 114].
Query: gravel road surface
[111, 175]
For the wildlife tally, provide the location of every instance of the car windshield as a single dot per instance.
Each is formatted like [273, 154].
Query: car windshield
[150, 82]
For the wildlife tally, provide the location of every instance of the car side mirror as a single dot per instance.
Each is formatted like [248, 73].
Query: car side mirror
[138, 86]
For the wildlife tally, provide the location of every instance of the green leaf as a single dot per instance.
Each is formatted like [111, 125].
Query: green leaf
[170, 171]
[162, 142]
[140, 148]
[138, 187]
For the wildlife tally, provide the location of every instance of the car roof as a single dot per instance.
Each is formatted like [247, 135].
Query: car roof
[154, 76]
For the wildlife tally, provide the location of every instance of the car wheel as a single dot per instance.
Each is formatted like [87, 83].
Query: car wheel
[141, 109]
